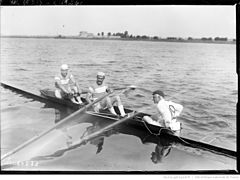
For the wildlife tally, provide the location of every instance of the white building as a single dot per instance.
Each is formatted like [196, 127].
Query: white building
[85, 34]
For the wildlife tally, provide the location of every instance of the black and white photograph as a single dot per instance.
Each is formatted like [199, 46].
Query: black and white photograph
[104, 89]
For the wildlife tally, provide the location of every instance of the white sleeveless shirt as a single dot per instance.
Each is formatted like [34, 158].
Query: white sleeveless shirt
[65, 81]
[98, 91]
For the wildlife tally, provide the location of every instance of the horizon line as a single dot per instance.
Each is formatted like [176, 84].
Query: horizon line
[60, 35]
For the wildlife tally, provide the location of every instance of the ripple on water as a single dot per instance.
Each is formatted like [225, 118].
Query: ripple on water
[219, 124]
[10, 109]
[21, 69]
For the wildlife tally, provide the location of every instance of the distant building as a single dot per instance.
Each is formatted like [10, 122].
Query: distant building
[85, 34]
[90, 35]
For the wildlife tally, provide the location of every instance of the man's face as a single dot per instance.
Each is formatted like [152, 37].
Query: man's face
[100, 80]
[64, 72]
[156, 98]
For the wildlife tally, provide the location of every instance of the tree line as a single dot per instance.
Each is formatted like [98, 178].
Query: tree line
[125, 34]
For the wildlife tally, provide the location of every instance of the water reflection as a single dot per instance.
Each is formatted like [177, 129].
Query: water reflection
[62, 113]
[76, 135]
[163, 144]
[76, 140]
[98, 141]
[94, 127]
[162, 150]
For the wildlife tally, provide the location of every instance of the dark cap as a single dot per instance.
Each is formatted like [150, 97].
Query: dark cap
[160, 93]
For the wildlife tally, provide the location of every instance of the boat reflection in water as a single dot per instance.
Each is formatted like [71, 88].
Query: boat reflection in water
[92, 124]
[98, 141]
[162, 150]
[163, 144]
[94, 127]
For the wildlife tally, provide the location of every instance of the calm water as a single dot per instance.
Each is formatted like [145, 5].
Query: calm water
[201, 77]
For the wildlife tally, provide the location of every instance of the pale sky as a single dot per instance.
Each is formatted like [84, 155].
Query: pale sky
[163, 21]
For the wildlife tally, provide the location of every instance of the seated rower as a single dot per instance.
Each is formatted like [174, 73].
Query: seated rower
[167, 112]
[66, 86]
[98, 90]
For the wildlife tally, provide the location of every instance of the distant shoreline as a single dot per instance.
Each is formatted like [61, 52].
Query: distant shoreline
[126, 39]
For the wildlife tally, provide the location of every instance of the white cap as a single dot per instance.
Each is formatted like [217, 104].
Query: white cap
[64, 67]
[100, 74]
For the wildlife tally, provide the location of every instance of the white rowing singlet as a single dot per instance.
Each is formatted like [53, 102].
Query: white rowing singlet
[98, 91]
[65, 81]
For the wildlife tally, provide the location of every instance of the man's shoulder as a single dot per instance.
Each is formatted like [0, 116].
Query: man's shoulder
[171, 103]
[176, 105]
[162, 104]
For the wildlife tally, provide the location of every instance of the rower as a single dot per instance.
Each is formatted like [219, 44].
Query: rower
[99, 89]
[167, 112]
[66, 86]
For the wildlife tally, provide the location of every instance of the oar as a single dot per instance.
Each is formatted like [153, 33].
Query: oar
[95, 134]
[131, 87]
[54, 127]
[87, 138]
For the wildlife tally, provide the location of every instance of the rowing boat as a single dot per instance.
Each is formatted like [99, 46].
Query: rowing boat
[136, 122]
